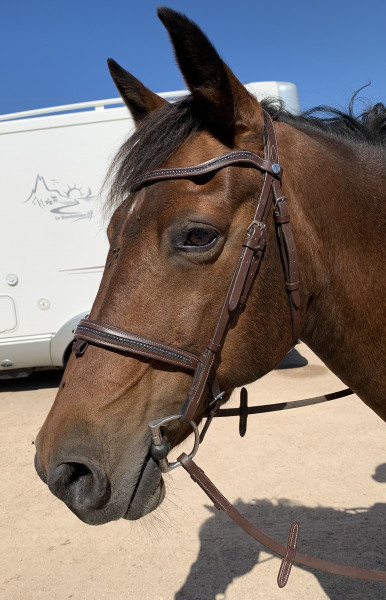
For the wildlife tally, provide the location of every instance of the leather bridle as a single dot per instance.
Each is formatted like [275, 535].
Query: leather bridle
[90, 331]
[248, 264]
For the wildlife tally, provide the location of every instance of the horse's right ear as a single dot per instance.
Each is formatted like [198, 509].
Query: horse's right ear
[137, 97]
[220, 100]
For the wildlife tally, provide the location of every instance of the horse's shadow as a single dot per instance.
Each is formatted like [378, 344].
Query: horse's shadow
[348, 536]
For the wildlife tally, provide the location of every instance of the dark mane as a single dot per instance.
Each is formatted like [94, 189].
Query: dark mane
[369, 126]
[164, 130]
[160, 134]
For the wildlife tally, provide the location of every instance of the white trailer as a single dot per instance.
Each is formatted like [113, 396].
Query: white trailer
[52, 237]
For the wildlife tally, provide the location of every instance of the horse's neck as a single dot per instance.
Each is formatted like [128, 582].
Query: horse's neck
[339, 232]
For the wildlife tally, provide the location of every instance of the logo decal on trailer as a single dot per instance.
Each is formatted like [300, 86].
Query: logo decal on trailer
[71, 204]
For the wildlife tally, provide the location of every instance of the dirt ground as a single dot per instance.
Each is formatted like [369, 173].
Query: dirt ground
[324, 466]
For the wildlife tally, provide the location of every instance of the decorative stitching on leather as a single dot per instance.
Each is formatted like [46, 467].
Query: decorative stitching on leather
[136, 343]
[119, 334]
[203, 480]
[204, 372]
[196, 169]
[288, 560]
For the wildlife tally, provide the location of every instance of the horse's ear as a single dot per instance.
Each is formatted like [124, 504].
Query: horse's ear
[223, 102]
[137, 97]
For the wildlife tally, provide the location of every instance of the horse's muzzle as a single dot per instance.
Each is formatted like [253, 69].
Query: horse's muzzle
[86, 489]
[81, 484]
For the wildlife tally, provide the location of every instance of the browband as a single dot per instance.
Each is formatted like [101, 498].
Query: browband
[214, 164]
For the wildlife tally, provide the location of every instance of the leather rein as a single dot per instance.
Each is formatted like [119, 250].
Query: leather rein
[107, 336]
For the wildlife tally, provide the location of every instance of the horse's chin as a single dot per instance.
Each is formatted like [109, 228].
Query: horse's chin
[148, 494]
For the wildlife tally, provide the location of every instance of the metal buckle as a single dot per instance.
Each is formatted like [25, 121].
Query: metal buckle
[258, 224]
[158, 441]
[214, 407]
[280, 199]
[214, 402]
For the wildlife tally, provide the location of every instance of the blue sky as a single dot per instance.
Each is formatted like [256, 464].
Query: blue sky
[55, 53]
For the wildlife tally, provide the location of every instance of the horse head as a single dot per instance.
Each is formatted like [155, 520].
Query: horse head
[174, 243]
[173, 246]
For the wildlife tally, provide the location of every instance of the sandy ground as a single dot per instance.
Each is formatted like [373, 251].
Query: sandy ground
[324, 466]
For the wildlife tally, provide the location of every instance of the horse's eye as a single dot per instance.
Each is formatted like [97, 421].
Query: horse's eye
[200, 237]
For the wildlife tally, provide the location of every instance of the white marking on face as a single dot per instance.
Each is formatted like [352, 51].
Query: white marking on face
[132, 206]
[136, 202]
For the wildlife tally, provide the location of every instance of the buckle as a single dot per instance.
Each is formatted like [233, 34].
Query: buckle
[258, 224]
[214, 407]
[255, 239]
[278, 200]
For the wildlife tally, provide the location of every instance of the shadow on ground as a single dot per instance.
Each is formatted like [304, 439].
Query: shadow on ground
[38, 380]
[353, 536]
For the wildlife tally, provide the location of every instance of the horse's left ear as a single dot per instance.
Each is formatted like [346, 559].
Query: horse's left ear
[137, 97]
[222, 101]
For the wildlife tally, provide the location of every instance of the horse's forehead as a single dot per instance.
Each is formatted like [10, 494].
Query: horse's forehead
[180, 199]
[196, 149]
[166, 198]
[162, 200]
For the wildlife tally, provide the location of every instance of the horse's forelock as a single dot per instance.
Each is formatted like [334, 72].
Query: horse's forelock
[158, 137]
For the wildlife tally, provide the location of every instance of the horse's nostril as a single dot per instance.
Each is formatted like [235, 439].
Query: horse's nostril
[81, 485]
[77, 472]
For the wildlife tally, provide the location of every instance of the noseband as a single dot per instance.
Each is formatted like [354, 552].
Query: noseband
[202, 366]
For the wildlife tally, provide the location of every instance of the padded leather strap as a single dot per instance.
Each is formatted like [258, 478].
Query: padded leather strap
[214, 164]
[108, 336]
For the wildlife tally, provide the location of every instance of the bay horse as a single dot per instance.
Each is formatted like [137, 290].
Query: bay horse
[175, 235]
